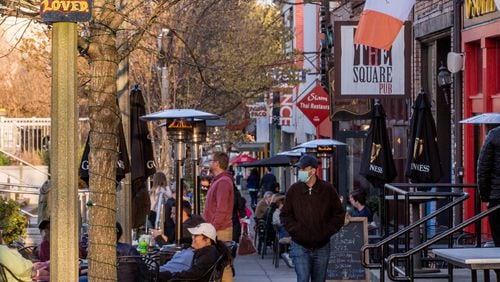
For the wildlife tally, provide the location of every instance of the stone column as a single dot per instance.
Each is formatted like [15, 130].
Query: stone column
[63, 155]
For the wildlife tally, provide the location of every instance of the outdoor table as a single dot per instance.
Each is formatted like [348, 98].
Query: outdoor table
[473, 259]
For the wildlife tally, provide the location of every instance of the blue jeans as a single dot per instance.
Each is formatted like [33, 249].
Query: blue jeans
[310, 264]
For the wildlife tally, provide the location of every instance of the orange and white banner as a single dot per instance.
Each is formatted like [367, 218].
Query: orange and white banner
[381, 21]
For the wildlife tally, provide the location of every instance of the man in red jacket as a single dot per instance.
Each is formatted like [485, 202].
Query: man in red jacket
[220, 202]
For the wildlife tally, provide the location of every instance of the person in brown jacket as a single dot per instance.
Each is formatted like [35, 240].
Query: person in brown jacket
[312, 213]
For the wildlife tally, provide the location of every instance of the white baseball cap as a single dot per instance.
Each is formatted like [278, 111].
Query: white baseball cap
[206, 229]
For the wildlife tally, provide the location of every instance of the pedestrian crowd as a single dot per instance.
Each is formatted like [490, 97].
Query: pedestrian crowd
[304, 219]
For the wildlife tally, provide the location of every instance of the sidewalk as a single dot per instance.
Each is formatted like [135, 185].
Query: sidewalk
[252, 268]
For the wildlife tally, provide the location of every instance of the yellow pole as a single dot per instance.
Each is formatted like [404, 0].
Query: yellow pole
[63, 155]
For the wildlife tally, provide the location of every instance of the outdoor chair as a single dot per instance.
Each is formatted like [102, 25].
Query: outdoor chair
[137, 269]
[29, 253]
[214, 273]
[260, 230]
[267, 238]
[3, 274]
[278, 247]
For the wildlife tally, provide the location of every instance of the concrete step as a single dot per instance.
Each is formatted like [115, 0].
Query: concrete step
[33, 237]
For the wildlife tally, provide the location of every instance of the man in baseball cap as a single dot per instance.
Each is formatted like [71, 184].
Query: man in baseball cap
[312, 213]
[206, 229]
[307, 160]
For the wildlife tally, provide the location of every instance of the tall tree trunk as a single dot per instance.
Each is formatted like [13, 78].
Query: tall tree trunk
[104, 122]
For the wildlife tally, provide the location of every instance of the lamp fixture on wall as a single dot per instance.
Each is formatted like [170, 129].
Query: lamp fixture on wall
[444, 81]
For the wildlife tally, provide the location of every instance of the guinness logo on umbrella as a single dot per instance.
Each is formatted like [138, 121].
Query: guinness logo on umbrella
[375, 152]
[419, 148]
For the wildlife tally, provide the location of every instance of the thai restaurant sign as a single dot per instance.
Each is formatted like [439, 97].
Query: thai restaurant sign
[315, 105]
[65, 10]
[366, 72]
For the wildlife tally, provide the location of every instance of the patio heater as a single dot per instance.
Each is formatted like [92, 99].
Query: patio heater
[180, 129]
[325, 152]
[199, 135]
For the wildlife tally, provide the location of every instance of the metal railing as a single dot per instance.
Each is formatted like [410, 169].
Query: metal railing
[23, 162]
[30, 134]
[23, 134]
[400, 194]
[393, 259]
[10, 189]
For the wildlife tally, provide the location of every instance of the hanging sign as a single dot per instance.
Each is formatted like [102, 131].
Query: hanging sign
[366, 72]
[315, 105]
[65, 10]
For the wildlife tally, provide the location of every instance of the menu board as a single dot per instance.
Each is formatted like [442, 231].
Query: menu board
[345, 252]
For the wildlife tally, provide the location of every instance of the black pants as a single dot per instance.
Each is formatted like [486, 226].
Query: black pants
[236, 230]
[253, 198]
[494, 219]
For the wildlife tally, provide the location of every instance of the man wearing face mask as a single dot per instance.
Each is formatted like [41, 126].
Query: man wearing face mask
[312, 213]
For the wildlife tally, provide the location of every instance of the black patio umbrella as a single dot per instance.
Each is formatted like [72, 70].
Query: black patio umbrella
[274, 161]
[377, 164]
[423, 162]
[122, 166]
[142, 158]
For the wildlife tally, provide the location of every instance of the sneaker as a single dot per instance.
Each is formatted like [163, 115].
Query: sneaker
[287, 259]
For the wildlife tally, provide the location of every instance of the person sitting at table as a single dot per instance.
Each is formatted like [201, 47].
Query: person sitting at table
[127, 272]
[21, 268]
[206, 250]
[357, 198]
[123, 249]
[284, 238]
[44, 248]
[188, 220]
[263, 204]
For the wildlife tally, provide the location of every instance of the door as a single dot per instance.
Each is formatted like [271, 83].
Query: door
[348, 161]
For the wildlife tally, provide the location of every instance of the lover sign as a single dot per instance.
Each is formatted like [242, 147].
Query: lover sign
[315, 105]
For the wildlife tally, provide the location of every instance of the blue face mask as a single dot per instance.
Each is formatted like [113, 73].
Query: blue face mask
[303, 176]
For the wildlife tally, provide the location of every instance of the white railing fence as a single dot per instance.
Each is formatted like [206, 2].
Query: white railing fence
[19, 135]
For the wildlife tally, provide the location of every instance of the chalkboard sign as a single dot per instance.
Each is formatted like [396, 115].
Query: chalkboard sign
[345, 252]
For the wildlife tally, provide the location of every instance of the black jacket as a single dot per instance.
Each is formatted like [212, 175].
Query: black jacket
[312, 217]
[203, 259]
[268, 181]
[193, 221]
[488, 167]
